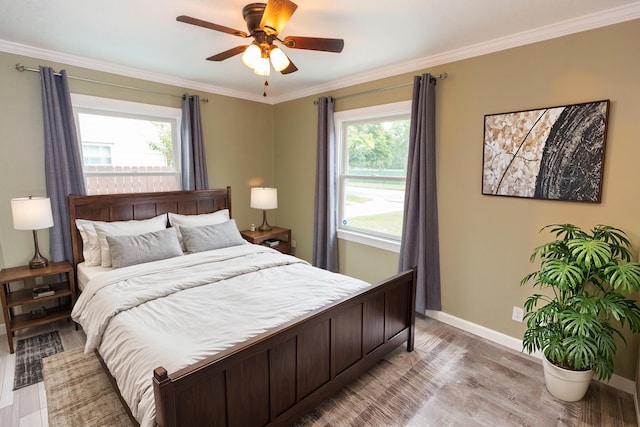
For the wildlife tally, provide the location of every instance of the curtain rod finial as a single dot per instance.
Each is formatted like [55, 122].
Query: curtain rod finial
[20, 67]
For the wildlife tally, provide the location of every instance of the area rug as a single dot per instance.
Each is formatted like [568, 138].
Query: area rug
[79, 393]
[451, 379]
[29, 355]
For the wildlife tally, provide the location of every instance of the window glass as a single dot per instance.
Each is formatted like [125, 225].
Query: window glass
[96, 154]
[373, 159]
[127, 147]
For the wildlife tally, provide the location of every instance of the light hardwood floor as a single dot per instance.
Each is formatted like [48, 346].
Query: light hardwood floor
[27, 407]
[604, 406]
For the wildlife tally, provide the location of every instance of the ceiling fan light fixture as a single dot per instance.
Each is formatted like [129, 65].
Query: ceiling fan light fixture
[278, 59]
[262, 67]
[251, 56]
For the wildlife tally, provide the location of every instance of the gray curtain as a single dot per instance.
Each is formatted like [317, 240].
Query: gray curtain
[62, 163]
[419, 247]
[194, 163]
[325, 239]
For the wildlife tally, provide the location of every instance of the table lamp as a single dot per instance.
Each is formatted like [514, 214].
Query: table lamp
[264, 198]
[32, 213]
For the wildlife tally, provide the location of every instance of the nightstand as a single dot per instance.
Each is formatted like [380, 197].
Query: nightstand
[14, 298]
[283, 235]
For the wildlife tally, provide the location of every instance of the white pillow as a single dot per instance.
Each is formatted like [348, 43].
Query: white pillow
[125, 228]
[147, 247]
[215, 236]
[178, 220]
[90, 245]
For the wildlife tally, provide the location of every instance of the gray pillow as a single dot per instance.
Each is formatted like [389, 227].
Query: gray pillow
[214, 236]
[131, 250]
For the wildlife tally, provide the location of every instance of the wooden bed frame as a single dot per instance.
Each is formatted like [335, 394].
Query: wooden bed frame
[278, 376]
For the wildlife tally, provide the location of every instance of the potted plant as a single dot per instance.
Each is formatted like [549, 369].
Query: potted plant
[586, 275]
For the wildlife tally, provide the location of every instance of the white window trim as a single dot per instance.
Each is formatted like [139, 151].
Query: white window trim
[136, 109]
[367, 113]
[390, 245]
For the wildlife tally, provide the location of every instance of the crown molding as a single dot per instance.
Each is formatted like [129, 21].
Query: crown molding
[584, 23]
[571, 26]
[108, 67]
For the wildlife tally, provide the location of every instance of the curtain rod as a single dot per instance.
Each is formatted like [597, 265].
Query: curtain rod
[21, 68]
[441, 76]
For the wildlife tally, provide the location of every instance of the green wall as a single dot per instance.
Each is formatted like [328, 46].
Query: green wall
[485, 241]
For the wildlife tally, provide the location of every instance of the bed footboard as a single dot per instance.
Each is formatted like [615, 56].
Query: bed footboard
[276, 377]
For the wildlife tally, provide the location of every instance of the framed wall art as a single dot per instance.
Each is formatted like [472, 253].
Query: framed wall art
[554, 153]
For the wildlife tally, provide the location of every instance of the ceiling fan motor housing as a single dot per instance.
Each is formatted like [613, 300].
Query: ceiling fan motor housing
[252, 14]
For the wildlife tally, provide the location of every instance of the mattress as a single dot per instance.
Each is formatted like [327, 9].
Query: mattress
[86, 273]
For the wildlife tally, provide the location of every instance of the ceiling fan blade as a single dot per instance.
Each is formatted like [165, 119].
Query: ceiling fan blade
[291, 68]
[228, 53]
[276, 15]
[314, 43]
[211, 26]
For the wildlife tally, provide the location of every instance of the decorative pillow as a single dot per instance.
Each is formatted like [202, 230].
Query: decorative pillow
[178, 221]
[90, 245]
[125, 228]
[131, 250]
[215, 236]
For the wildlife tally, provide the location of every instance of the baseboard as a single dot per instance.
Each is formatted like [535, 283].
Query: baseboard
[616, 381]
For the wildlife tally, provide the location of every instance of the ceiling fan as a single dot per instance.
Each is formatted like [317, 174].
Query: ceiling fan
[265, 21]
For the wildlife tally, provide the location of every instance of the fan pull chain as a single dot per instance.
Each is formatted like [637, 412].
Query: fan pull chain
[266, 83]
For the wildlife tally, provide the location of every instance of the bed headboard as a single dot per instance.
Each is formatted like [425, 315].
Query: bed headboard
[123, 207]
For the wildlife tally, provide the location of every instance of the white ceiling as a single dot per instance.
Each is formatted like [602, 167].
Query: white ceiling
[141, 38]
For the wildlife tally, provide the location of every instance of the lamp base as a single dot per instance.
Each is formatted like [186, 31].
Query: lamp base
[38, 261]
[265, 225]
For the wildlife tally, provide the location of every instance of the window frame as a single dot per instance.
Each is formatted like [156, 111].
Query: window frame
[133, 110]
[342, 119]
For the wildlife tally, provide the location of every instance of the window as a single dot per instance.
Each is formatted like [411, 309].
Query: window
[96, 154]
[127, 147]
[373, 148]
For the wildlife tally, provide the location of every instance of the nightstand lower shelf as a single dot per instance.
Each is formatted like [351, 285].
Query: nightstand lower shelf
[23, 321]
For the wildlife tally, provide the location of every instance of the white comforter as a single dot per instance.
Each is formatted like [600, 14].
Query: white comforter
[174, 312]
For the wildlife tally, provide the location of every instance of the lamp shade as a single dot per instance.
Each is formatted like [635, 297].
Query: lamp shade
[264, 198]
[251, 56]
[262, 67]
[279, 59]
[31, 213]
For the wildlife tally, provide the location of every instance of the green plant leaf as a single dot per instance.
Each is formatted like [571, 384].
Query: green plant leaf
[624, 277]
[580, 324]
[560, 273]
[590, 252]
[581, 351]
[617, 239]
[554, 349]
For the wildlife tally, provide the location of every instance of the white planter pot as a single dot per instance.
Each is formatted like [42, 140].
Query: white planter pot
[564, 384]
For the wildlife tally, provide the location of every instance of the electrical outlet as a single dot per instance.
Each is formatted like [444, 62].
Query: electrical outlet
[517, 314]
[293, 243]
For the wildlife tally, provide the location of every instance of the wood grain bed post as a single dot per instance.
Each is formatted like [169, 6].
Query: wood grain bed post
[163, 391]
[412, 318]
